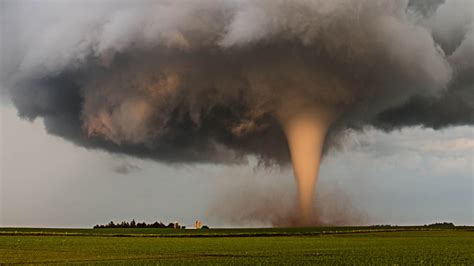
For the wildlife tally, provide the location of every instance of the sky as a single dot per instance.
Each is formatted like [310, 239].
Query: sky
[412, 176]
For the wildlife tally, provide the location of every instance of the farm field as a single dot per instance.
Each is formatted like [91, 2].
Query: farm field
[327, 245]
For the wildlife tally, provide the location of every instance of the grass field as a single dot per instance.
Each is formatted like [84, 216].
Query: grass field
[350, 245]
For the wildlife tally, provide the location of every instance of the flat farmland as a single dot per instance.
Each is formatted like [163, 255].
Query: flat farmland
[325, 245]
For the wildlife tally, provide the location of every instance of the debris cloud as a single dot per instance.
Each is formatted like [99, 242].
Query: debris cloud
[246, 205]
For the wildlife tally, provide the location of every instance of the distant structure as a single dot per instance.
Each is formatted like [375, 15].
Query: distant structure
[198, 224]
[176, 225]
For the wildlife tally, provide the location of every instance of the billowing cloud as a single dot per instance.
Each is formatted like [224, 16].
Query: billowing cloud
[182, 81]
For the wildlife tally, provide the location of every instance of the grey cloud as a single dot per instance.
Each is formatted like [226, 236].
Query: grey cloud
[180, 81]
[125, 168]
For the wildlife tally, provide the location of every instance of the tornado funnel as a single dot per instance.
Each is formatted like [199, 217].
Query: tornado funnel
[305, 127]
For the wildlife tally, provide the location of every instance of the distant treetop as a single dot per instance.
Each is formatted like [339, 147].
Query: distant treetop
[134, 224]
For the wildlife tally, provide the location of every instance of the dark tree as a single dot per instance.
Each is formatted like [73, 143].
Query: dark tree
[133, 224]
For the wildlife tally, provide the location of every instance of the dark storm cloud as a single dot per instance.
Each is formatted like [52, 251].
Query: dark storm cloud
[181, 81]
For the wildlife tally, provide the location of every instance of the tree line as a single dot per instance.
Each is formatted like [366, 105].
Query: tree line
[134, 224]
[441, 225]
[434, 225]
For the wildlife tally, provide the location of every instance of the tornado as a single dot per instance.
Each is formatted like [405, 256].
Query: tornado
[305, 125]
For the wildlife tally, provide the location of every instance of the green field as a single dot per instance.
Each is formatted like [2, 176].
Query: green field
[327, 245]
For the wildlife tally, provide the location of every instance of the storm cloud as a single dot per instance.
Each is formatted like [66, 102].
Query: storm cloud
[182, 81]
